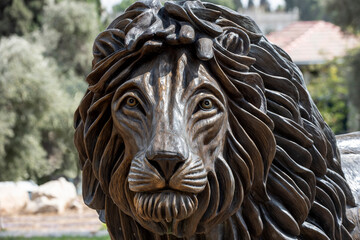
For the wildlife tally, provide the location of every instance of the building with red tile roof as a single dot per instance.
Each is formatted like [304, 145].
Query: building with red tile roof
[313, 42]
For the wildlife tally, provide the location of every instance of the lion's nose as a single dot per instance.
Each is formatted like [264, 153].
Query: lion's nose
[166, 163]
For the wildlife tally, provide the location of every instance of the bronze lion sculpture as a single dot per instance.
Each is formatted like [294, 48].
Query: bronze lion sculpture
[194, 126]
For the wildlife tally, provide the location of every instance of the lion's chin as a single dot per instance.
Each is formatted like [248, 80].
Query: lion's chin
[165, 206]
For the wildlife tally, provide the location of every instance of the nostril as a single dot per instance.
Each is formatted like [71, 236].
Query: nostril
[166, 166]
[155, 164]
[177, 166]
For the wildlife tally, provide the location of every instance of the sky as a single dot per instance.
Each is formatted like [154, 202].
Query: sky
[109, 3]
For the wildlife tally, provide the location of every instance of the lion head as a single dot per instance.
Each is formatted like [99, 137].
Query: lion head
[194, 125]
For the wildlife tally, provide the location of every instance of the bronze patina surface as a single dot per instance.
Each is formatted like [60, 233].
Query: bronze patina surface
[194, 126]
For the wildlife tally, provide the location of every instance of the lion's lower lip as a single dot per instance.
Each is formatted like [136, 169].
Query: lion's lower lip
[164, 206]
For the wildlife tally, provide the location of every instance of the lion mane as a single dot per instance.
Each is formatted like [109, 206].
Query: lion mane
[281, 155]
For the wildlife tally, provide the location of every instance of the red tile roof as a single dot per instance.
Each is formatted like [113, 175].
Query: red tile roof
[311, 42]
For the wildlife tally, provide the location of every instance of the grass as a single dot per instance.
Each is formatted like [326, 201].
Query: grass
[57, 238]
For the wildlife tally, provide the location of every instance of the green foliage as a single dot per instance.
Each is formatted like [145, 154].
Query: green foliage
[352, 62]
[68, 32]
[345, 13]
[20, 16]
[35, 114]
[41, 83]
[57, 130]
[122, 6]
[233, 4]
[330, 93]
[25, 86]
[97, 4]
[308, 9]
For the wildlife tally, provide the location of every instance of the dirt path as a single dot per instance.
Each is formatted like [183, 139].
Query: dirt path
[85, 223]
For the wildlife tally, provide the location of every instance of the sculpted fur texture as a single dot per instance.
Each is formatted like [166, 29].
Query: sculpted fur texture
[194, 126]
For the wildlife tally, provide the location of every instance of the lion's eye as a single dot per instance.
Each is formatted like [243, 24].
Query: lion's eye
[206, 104]
[131, 102]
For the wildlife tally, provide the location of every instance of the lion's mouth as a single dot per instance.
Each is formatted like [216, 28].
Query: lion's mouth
[165, 206]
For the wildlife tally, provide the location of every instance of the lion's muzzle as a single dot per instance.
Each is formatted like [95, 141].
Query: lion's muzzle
[166, 181]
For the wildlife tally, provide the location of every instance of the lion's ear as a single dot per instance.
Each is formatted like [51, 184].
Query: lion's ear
[107, 43]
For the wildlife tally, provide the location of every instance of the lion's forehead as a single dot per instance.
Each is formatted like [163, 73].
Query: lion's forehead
[170, 78]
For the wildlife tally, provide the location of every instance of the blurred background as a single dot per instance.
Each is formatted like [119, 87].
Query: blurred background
[46, 53]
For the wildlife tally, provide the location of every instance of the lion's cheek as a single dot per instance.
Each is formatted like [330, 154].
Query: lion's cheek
[210, 146]
[133, 146]
[209, 157]
[135, 142]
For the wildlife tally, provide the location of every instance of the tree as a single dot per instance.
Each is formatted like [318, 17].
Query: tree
[68, 33]
[20, 16]
[97, 4]
[122, 6]
[233, 4]
[41, 82]
[345, 13]
[69, 30]
[308, 9]
[352, 60]
[330, 93]
[227, 3]
[31, 100]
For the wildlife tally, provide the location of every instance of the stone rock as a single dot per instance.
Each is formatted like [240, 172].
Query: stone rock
[59, 188]
[349, 143]
[28, 186]
[45, 205]
[12, 198]
[349, 147]
[54, 196]
[77, 205]
[353, 215]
